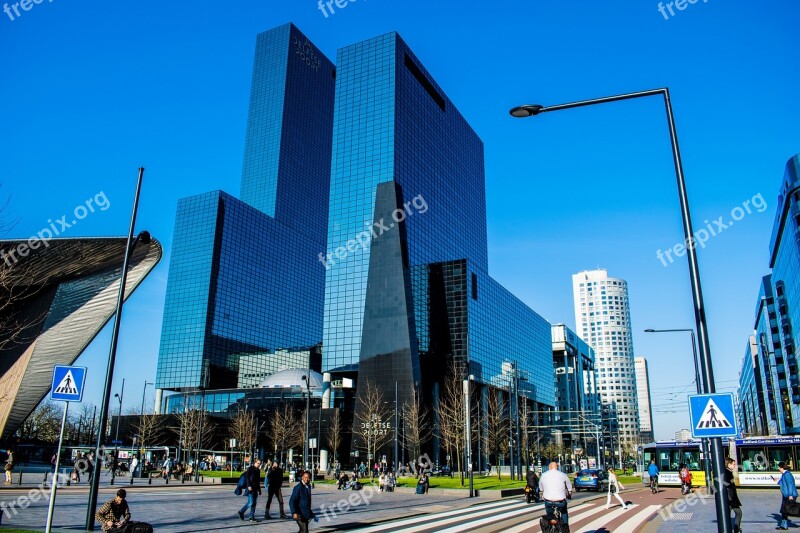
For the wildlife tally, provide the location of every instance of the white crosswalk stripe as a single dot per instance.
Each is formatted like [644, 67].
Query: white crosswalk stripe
[459, 515]
[522, 527]
[637, 519]
[508, 512]
[605, 518]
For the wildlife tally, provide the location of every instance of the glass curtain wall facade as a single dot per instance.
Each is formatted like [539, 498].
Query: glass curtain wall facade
[393, 123]
[244, 275]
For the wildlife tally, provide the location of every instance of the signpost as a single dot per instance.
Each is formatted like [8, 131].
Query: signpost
[712, 415]
[67, 387]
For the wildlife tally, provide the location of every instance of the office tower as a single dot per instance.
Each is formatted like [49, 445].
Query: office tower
[769, 380]
[244, 281]
[407, 181]
[643, 397]
[784, 260]
[602, 317]
[577, 402]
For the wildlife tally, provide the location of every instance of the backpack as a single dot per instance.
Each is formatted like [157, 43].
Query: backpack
[241, 485]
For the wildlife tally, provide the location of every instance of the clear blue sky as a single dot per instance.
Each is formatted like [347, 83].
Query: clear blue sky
[91, 90]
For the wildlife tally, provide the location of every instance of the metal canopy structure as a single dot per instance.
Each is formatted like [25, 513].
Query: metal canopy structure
[61, 295]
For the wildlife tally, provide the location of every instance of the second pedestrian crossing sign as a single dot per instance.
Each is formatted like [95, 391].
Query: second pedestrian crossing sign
[68, 383]
[712, 415]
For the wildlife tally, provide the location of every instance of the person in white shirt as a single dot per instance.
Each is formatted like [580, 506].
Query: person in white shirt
[555, 489]
[134, 464]
[614, 486]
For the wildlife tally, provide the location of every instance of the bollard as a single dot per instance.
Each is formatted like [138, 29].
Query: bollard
[69, 478]
[150, 480]
[131, 479]
[20, 477]
[167, 478]
[45, 477]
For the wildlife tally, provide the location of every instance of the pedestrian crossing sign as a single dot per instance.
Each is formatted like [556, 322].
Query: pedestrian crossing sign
[68, 383]
[712, 415]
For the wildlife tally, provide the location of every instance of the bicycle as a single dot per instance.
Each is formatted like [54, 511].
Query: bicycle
[654, 484]
[552, 523]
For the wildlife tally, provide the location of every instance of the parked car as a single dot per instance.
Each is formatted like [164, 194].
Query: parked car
[591, 479]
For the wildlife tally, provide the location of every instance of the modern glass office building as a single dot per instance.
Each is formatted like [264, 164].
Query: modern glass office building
[407, 178]
[244, 275]
[769, 380]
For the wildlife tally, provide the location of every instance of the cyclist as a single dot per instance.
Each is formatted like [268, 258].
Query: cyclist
[653, 471]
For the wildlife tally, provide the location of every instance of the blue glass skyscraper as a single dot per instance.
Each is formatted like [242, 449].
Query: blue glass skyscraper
[244, 275]
[427, 259]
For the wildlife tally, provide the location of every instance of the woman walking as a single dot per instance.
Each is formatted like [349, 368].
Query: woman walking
[9, 466]
[614, 486]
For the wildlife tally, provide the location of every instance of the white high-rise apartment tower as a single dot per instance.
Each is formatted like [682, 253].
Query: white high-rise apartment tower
[602, 319]
[643, 395]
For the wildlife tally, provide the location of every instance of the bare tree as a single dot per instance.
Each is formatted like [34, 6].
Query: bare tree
[16, 327]
[416, 426]
[243, 429]
[334, 437]
[496, 442]
[450, 411]
[372, 419]
[44, 423]
[150, 429]
[190, 425]
[286, 429]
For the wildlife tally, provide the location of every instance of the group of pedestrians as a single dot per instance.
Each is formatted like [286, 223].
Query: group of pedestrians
[299, 501]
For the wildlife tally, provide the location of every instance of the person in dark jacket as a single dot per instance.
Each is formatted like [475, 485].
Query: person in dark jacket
[733, 497]
[300, 503]
[274, 483]
[788, 492]
[253, 477]
[532, 489]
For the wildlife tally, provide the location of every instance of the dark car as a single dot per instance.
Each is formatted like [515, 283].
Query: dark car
[591, 479]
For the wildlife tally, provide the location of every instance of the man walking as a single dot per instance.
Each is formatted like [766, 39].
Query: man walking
[253, 479]
[556, 489]
[300, 503]
[733, 497]
[274, 483]
[788, 492]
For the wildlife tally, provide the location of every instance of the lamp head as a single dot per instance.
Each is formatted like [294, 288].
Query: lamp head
[144, 237]
[527, 110]
[649, 330]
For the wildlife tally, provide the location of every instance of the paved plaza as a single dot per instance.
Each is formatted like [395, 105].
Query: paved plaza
[190, 507]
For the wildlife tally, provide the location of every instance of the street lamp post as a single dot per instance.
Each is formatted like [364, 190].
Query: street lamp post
[116, 434]
[307, 379]
[468, 434]
[699, 388]
[706, 367]
[141, 459]
[144, 237]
